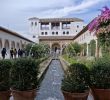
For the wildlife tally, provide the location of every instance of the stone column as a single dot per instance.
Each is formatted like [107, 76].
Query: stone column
[3, 43]
[97, 50]
[50, 25]
[60, 28]
[50, 48]
[100, 52]
[61, 48]
[39, 27]
[87, 49]
[60, 25]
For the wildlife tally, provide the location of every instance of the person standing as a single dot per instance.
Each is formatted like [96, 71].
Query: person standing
[11, 53]
[19, 52]
[3, 52]
[15, 53]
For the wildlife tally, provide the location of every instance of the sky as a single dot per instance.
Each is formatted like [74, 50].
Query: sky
[14, 14]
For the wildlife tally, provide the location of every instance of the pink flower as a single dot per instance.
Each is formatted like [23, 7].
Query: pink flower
[103, 18]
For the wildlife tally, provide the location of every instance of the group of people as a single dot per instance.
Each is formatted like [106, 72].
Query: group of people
[13, 53]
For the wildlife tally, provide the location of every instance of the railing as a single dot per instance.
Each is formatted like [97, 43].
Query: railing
[44, 28]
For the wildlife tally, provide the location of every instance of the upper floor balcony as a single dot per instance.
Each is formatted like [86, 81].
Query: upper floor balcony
[65, 27]
[55, 28]
[44, 28]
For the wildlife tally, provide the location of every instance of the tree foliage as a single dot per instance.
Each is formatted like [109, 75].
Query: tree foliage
[37, 50]
[92, 47]
[73, 49]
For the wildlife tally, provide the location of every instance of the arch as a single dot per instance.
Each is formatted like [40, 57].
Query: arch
[21, 44]
[64, 49]
[85, 49]
[17, 45]
[6, 45]
[55, 47]
[92, 47]
[12, 44]
[0, 44]
[24, 44]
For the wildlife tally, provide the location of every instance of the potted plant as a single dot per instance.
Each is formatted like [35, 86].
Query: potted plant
[5, 66]
[24, 79]
[75, 82]
[100, 78]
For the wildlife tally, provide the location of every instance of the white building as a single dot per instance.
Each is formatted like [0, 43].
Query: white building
[10, 39]
[55, 27]
[85, 37]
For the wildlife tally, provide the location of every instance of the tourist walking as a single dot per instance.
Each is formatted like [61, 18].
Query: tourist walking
[3, 53]
[19, 51]
[15, 53]
[11, 53]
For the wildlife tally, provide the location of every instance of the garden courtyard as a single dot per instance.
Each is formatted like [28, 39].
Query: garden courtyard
[68, 75]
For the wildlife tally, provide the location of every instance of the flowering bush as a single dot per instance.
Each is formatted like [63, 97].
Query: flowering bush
[102, 22]
[101, 26]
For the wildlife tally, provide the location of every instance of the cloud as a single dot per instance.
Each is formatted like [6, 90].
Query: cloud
[15, 13]
[65, 11]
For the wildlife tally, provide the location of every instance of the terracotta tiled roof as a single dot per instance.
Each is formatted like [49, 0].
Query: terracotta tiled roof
[32, 18]
[13, 33]
[58, 19]
[56, 37]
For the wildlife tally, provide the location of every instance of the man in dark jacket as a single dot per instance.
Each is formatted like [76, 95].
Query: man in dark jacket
[11, 53]
[3, 52]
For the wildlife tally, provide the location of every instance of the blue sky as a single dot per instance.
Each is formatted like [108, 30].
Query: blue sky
[14, 14]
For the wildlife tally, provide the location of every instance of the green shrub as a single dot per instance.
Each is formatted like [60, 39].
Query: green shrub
[76, 80]
[100, 73]
[5, 66]
[70, 60]
[24, 74]
[87, 62]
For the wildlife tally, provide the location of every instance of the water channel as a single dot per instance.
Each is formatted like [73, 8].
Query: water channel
[50, 88]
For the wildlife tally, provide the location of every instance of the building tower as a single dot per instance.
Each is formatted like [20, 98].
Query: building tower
[34, 28]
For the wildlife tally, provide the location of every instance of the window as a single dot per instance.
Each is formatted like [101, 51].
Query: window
[42, 33]
[76, 30]
[56, 33]
[44, 26]
[67, 32]
[35, 23]
[45, 33]
[63, 32]
[77, 26]
[52, 33]
[34, 36]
